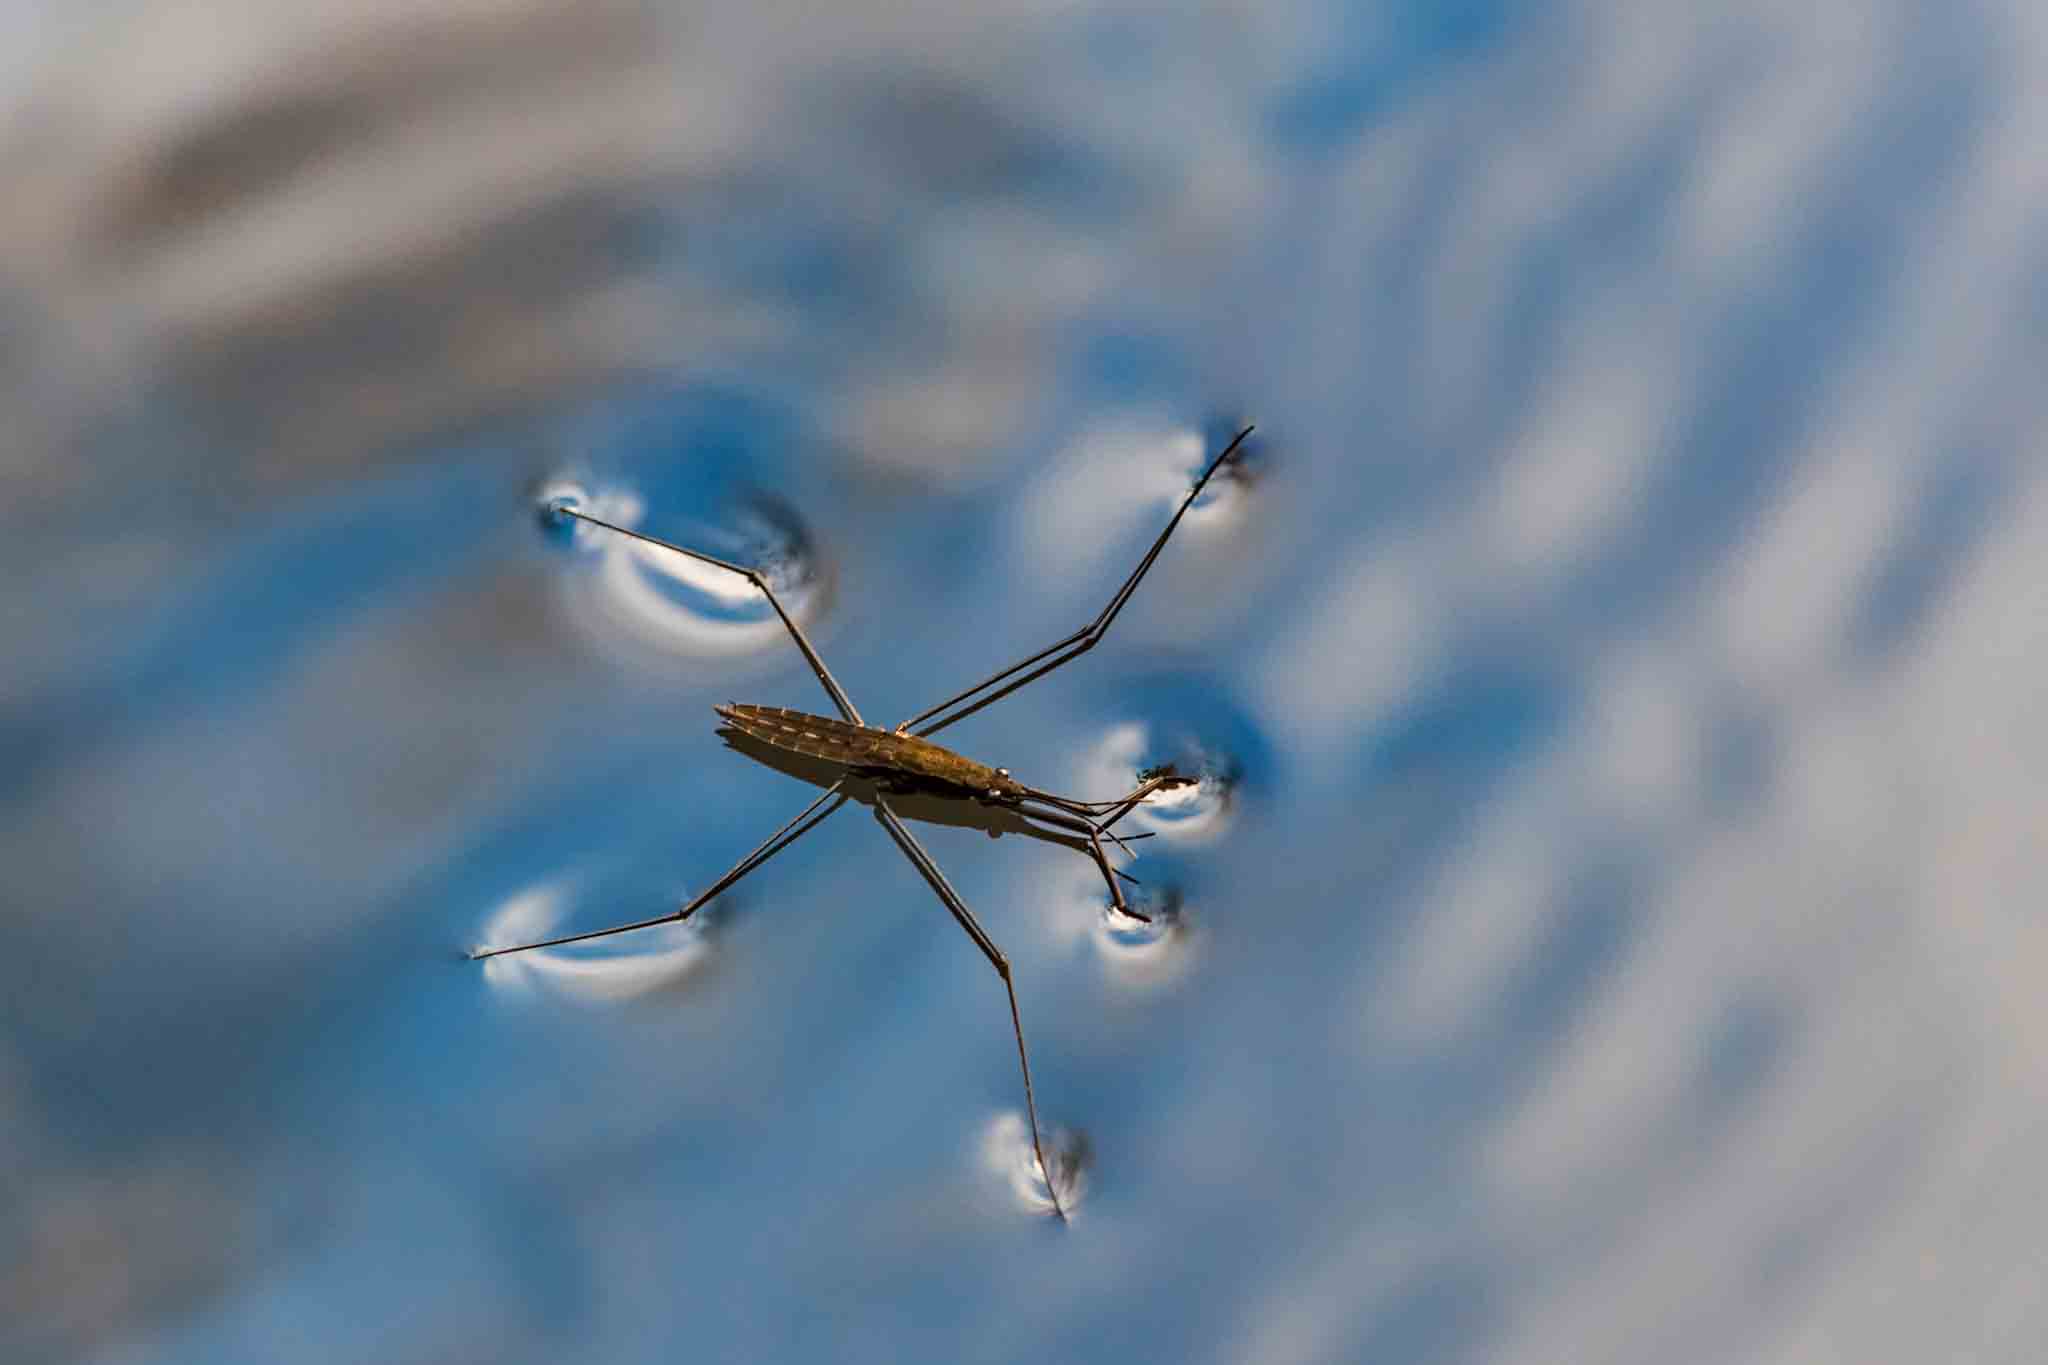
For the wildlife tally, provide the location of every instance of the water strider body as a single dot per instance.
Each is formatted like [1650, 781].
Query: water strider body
[902, 763]
[864, 749]
[905, 760]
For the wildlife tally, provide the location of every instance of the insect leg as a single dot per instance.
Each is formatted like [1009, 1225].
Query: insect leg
[1093, 833]
[1106, 813]
[782, 838]
[1073, 646]
[759, 580]
[922, 860]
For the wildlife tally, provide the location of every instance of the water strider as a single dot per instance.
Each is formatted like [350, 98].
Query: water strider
[904, 761]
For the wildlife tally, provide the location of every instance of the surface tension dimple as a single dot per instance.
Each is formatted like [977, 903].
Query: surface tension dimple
[660, 599]
[1194, 812]
[1006, 1153]
[609, 970]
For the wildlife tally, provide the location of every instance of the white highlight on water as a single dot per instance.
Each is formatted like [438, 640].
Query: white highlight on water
[1006, 1153]
[603, 970]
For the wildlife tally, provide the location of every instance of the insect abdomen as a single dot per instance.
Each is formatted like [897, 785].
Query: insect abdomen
[818, 736]
[855, 746]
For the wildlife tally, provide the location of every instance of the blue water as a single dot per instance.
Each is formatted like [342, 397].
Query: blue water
[1607, 671]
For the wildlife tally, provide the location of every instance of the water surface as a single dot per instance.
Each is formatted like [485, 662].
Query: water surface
[1603, 929]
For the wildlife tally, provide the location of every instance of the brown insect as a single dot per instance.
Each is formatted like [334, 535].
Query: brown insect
[905, 761]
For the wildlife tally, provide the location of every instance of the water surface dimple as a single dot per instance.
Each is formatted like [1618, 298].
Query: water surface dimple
[1007, 1154]
[660, 599]
[1191, 811]
[1226, 498]
[554, 502]
[1195, 811]
[1152, 948]
[607, 969]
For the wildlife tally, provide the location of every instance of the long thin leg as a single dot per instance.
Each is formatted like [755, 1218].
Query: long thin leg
[759, 580]
[922, 860]
[1063, 839]
[1073, 646]
[1107, 813]
[782, 838]
[1093, 833]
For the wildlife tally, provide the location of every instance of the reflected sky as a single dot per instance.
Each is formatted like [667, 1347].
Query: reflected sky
[1601, 926]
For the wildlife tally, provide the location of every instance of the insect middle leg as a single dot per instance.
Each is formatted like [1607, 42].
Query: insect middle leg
[922, 860]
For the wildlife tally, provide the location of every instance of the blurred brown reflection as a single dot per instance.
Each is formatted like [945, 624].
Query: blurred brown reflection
[331, 226]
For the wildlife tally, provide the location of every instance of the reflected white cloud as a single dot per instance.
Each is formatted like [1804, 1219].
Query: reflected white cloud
[1372, 635]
